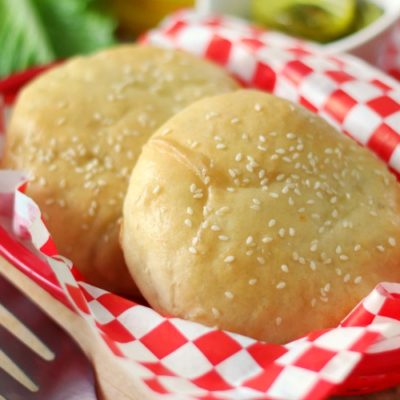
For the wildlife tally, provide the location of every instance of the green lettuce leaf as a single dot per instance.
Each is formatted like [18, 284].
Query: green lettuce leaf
[34, 32]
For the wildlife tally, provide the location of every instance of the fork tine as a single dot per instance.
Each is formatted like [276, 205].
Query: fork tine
[23, 356]
[70, 369]
[29, 313]
[8, 388]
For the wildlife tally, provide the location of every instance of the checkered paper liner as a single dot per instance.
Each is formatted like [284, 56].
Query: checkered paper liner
[178, 359]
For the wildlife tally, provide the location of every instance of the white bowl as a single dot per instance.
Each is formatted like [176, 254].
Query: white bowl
[366, 43]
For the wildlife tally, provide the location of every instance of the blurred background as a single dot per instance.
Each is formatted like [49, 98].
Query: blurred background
[35, 32]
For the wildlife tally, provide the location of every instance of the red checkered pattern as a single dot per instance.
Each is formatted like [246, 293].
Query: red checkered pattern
[181, 359]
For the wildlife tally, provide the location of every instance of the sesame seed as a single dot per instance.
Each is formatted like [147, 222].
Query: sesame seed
[192, 250]
[42, 181]
[252, 281]
[292, 232]
[314, 247]
[220, 146]
[188, 222]
[324, 299]
[357, 247]
[238, 157]
[327, 287]
[256, 201]
[266, 239]
[313, 302]
[338, 271]
[338, 249]
[215, 312]
[274, 195]
[211, 114]
[224, 238]
[380, 248]
[278, 321]
[284, 268]
[156, 189]
[249, 240]
[262, 138]
[313, 265]
[291, 135]
[261, 148]
[198, 195]
[346, 278]
[215, 228]
[343, 257]
[189, 210]
[249, 252]
[272, 222]
[235, 120]
[257, 107]
[281, 232]
[195, 240]
[261, 260]
[392, 241]
[193, 188]
[358, 280]
[281, 285]
[229, 295]
[229, 259]
[249, 168]
[280, 177]
[232, 172]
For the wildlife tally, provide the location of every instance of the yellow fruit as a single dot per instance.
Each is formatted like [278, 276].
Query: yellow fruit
[136, 16]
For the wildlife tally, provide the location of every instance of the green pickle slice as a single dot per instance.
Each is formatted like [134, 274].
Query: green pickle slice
[367, 13]
[318, 20]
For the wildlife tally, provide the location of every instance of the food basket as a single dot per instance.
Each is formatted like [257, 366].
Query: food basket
[177, 359]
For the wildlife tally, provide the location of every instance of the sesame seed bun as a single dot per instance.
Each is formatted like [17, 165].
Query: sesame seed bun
[272, 225]
[79, 128]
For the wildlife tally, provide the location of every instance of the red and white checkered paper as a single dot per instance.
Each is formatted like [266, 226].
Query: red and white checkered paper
[178, 359]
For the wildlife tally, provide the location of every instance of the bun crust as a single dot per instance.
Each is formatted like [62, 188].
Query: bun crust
[79, 128]
[272, 225]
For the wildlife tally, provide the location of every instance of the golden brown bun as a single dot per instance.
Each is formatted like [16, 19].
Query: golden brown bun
[273, 225]
[78, 130]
